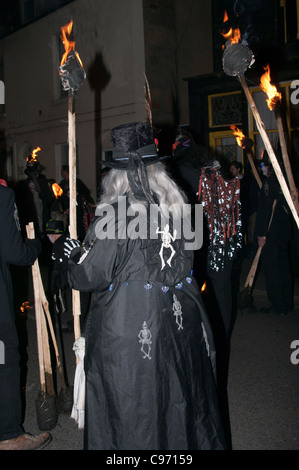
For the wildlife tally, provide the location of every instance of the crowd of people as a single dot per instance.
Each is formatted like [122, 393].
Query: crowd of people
[156, 349]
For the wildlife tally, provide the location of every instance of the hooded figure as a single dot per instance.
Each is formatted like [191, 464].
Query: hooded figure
[275, 239]
[150, 357]
[34, 198]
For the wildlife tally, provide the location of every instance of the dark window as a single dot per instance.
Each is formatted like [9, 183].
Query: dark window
[226, 110]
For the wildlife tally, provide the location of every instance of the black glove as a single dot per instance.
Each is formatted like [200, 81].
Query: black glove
[36, 243]
[69, 245]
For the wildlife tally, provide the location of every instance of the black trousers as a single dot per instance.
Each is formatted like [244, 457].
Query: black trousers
[278, 277]
[10, 394]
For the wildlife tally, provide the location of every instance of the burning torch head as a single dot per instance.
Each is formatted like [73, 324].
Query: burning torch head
[72, 74]
[247, 143]
[237, 58]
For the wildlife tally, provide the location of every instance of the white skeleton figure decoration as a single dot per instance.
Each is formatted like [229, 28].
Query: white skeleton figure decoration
[145, 337]
[177, 311]
[167, 238]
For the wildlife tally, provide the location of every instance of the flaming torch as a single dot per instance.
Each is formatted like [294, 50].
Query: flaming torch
[57, 190]
[246, 144]
[72, 75]
[32, 158]
[236, 59]
[57, 205]
[25, 305]
[274, 101]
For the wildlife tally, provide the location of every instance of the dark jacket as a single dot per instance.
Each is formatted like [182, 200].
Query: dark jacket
[280, 228]
[12, 251]
[26, 204]
[150, 383]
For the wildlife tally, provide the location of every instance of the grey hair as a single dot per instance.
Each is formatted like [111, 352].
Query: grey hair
[162, 186]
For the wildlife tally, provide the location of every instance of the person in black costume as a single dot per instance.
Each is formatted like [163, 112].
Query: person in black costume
[85, 202]
[275, 242]
[34, 198]
[197, 170]
[150, 357]
[13, 251]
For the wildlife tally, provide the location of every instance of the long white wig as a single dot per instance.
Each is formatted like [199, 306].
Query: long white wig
[162, 186]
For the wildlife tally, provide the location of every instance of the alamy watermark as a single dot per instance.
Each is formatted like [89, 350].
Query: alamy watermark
[2, 92]
[2, 353]
[295, 354]
[295, 94]
[168, 223]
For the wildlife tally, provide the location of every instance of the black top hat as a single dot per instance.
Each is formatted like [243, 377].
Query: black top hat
[55, 227]
[134, 148]
[132, 139]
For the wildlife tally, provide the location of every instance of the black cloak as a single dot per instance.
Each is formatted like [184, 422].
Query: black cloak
[149, 361]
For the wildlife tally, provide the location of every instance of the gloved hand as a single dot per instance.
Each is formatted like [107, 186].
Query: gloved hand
[69, 245]
[36, 243]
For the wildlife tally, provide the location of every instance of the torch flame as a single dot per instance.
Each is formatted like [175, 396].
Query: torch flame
[57, 190]
[68, 45]
[203, 287]
[233, 35]
[225, 17]
[239, 135]
[32, 157]
[274, 97]
[25, 305]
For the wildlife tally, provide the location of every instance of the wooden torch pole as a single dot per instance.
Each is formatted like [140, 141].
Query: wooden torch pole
[73, 201]
[267, 143]
[286, 159]
[38, 315]
[253, 167]
[45, 304]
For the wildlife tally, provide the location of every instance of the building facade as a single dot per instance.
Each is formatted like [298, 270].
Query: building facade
[270, 29]
[119, 42]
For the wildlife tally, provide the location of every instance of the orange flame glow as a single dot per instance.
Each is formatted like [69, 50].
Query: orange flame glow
[203, 287]
[68, 45]
[25, 305]
[233, 35]
[32, 157]
[274, 97]
[225, 17]
[239, 135]
[57, 190]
